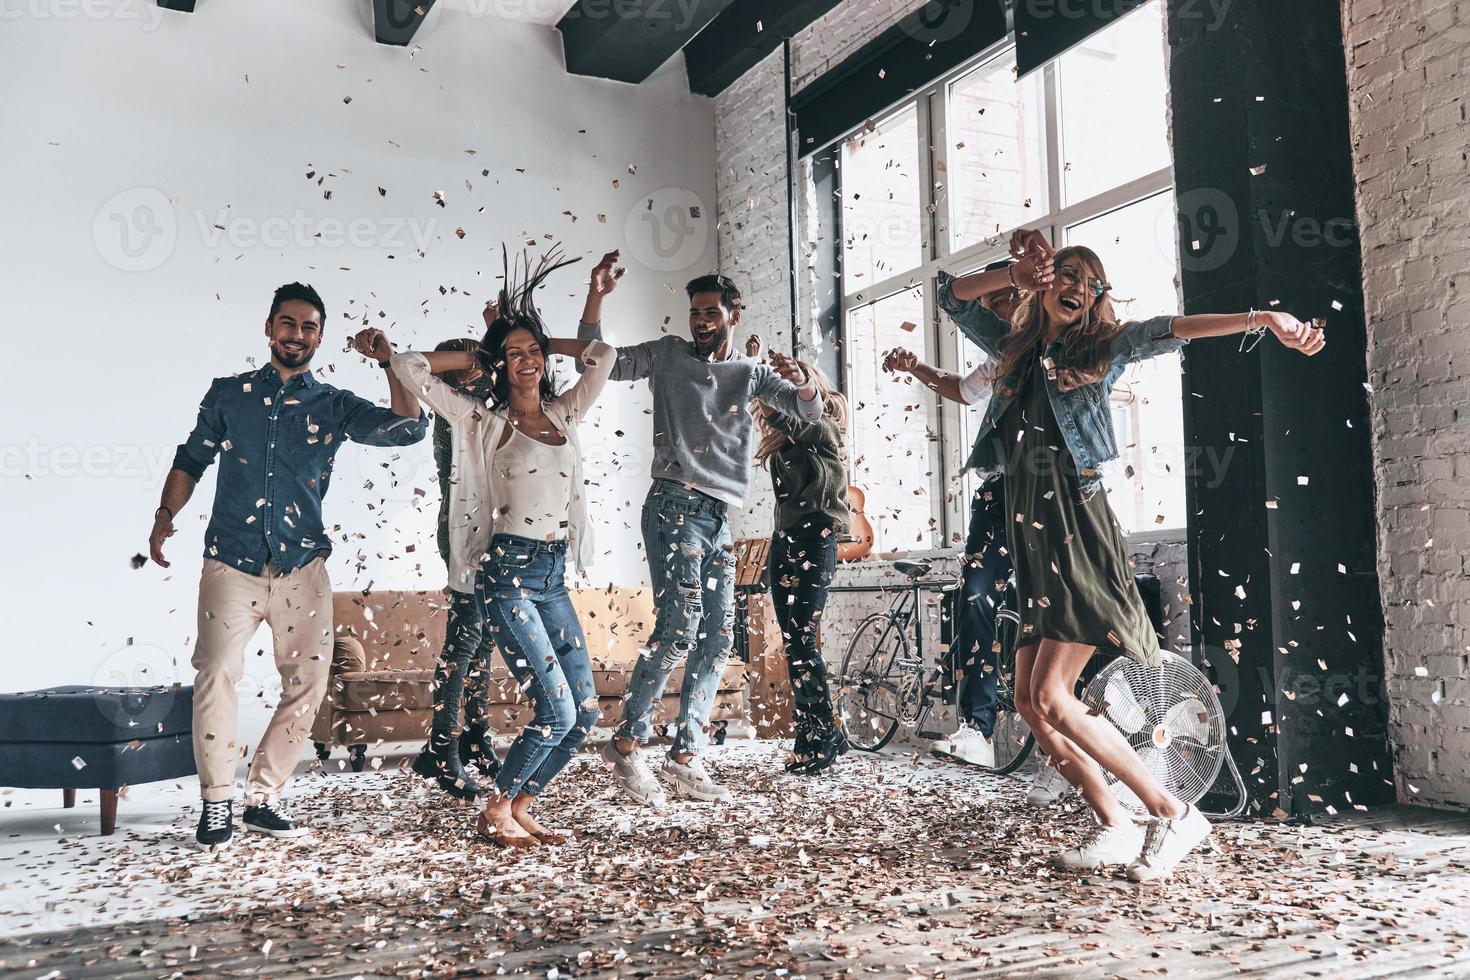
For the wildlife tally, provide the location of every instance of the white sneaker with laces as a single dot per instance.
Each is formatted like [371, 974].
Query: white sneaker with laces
[633, 776]
[1048, 786]
[1167, 843]
[1107, 847]
[967, 745]
[691, 779]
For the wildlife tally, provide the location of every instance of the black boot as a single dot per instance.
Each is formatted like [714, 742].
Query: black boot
[439, 761]
[802, 750]
[477, 748]
[829, 742]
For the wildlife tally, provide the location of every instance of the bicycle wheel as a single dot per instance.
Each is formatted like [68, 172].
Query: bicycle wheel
[867, 693]
[1012, 737]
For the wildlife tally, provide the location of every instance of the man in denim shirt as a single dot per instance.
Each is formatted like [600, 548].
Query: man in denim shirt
[276, 431]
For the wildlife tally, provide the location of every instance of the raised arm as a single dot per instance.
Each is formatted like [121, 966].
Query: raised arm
[777, 385]
[418, 370]
[1288, 329]
[373, 344]
[948, 385]
[597, 360]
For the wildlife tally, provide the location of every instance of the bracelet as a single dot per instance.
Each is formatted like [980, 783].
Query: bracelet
[383, 364]
[1011, 275]
[161, 508]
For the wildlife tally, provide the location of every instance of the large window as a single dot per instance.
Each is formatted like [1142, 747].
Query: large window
[1078, 149]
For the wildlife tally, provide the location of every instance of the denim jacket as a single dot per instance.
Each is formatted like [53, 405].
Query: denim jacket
[276, 444]
[1083, 413]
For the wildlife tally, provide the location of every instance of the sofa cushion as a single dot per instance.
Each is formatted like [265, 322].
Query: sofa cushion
[81, 713]
[384, 690]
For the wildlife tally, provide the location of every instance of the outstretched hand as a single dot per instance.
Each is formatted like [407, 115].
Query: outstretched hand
[900, 360]
[753, 346]
[786, 366]
[606, 275]
[1034, 268]
[1293, 333]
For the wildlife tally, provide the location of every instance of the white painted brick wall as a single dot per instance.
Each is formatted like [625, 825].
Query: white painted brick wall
[1408, 88]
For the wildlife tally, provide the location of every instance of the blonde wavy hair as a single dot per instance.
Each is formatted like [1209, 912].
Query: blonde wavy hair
[1086, 345]
[834, 407]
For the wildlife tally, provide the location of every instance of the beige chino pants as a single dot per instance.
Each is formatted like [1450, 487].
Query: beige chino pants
[232, 605]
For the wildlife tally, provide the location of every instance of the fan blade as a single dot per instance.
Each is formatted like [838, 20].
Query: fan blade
[1121, 705]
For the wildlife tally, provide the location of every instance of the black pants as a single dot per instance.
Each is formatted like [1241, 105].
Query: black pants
[466, 655]
[802, 564]
[987, 567]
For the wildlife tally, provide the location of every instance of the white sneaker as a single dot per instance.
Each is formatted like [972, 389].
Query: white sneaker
[1108, 846]
[1048, 786]
[691, 779]
[1167, 843]
[633, 776]
[967, 745]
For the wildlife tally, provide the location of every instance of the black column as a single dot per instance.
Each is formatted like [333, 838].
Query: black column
[1286, 606]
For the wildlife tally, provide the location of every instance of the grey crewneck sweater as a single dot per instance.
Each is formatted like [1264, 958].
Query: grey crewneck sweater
[702, 426]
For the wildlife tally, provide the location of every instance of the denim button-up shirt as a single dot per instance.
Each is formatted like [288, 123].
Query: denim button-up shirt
[276, 444]
[1083, 413]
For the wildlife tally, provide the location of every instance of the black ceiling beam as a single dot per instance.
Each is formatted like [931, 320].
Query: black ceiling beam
[628, 40]
[738, 39]
[397, 21]
[182, 6]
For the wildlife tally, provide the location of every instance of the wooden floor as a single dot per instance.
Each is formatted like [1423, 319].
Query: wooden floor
[896, 865]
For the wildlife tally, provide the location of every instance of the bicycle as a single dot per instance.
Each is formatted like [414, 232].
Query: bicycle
[883, 682]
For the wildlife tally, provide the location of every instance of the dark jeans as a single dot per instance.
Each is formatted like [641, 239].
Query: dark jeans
[465, 642]
[801, 565]
[530, 616]
[986, 568]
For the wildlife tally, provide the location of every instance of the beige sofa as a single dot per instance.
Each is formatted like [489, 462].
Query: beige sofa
[381, 686]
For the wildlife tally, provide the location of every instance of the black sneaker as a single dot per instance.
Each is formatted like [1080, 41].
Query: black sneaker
[269, 818]
[216, 823]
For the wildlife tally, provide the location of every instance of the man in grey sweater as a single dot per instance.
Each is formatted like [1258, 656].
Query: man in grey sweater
[702, 433]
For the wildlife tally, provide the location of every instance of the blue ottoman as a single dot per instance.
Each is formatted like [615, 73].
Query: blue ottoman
[77, 737]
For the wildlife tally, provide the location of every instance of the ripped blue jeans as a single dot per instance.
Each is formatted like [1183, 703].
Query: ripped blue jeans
[528, 614]
[691, 565]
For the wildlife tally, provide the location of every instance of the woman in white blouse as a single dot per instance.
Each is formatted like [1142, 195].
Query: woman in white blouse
[517, 512]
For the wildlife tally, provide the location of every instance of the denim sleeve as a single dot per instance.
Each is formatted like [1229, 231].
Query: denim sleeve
[197, 452]
[1142, 339]
[374, 425]
[984, 328]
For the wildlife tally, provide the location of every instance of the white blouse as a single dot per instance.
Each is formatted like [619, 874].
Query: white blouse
[478, 433]
[532, 483]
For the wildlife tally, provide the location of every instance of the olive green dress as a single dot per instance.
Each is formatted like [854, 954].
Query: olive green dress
[1073, 580]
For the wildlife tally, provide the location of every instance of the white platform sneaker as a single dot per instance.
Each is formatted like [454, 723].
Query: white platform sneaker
[967, 745]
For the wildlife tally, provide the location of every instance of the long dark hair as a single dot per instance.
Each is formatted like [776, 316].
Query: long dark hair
[518, 312]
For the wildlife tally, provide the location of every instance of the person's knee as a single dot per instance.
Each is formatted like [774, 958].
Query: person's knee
[561, 717]
[1051, 703]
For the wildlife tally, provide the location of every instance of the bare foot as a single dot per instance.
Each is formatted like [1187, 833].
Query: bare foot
[497, 823]
[521, 811]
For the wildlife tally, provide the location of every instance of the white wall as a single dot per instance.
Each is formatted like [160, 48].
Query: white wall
[117, 112]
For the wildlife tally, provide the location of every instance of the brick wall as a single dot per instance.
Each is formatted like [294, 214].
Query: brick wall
[1408, 89]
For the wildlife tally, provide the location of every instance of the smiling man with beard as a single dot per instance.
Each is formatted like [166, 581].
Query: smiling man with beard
[276, 431]
[702, 441]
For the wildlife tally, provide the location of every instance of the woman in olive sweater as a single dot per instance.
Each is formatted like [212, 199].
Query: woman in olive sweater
[808, 464]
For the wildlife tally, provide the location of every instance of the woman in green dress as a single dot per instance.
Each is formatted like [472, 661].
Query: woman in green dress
[1050, 430]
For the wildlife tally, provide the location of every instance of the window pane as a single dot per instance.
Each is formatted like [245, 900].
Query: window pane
[997, 169]
[882, 231]
[892, 457]
[1113, 105]
[1146, 483]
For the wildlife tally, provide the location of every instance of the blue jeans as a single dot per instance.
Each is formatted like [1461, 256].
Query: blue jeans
[987, 566]
[691, 564]
[522, 585]
[465, 642]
